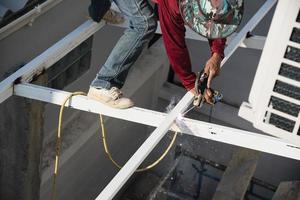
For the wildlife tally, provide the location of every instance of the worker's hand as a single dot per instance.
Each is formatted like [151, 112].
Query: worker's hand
[208, 95]
[212, 68]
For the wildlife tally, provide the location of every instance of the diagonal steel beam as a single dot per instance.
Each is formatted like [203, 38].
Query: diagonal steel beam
[48, 57]
[138, 157]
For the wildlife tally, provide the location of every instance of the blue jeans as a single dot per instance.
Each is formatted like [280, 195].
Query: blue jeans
[142, 25]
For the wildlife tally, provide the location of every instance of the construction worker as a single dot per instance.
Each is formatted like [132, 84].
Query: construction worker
[213, 19]
[111, 77]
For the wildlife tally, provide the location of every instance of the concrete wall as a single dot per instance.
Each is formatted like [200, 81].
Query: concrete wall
[21, 134]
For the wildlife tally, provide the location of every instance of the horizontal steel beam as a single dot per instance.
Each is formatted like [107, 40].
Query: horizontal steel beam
[196, 128]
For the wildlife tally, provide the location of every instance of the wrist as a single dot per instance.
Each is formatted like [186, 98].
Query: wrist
[217, 56]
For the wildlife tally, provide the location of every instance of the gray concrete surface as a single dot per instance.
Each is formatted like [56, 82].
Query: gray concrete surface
[288, 190]
[21, 136]
[237, 176]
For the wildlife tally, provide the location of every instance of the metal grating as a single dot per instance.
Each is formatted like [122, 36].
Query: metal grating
[295, 37]
[287, 90]
[280, 122]
[284, 106]
[292, 53]
[289, 71]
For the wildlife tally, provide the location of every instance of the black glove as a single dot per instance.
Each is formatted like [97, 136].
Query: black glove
[98, 8]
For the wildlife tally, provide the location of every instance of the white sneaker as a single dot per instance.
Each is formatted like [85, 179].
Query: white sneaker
[112, 97]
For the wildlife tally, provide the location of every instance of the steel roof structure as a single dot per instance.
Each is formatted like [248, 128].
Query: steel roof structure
[19, 84]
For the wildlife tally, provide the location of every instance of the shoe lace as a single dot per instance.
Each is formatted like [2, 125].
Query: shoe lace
[110, 13]
[115, 93]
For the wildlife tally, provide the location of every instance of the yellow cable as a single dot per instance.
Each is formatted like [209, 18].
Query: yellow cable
[103, 132]
[58, 143]
[141, 169]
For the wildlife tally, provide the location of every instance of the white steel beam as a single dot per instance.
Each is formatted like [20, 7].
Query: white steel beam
[49, 57]
[232, 136]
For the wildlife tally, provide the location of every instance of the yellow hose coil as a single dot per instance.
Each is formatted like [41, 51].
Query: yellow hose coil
[103, 132]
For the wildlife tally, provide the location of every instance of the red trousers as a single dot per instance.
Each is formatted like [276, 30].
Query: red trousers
[173, 33]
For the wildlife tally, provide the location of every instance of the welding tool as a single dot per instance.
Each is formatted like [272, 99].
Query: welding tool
[200, 89]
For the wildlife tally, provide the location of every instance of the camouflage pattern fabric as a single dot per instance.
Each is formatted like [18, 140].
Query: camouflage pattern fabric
[212, 18]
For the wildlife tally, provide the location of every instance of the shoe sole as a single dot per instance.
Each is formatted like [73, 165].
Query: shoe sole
[109, 103]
